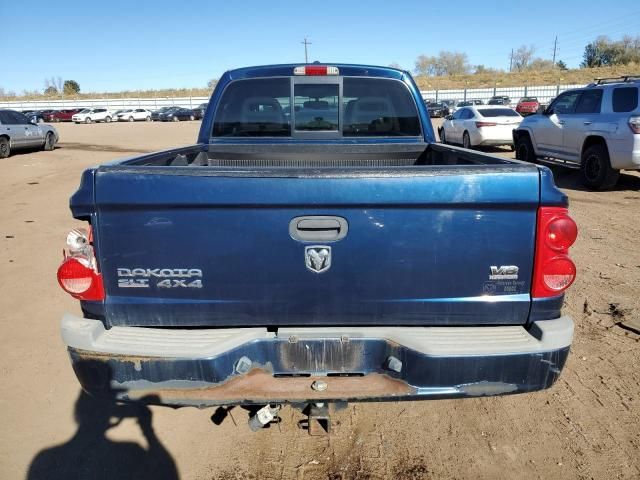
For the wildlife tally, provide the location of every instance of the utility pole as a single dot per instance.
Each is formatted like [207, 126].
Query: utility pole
[511, 61]
[555, 47]
[305, 43]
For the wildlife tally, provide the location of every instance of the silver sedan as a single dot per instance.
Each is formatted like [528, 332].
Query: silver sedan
[17, 131]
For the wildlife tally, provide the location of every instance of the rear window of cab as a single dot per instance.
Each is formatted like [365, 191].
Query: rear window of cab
[364, 107]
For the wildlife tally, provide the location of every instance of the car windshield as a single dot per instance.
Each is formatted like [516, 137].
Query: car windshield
[529, 99]
[85, 110]
[497, 112]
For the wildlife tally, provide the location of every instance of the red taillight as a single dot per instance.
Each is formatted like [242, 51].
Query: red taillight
[317, 70]
[553, 270]
[485, 124]
[78, 275]
[77, 278]
[634, 124]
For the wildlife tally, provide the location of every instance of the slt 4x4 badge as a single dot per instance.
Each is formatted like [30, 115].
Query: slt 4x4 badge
[317, 258]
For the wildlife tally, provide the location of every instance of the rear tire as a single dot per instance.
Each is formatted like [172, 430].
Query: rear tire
[176, 119]
[192, 118]
[5, 147]
[524, 149]
[131, 119]
[107, 119]
[148, 119]
[595, 169]
[49, 142]
[466, 140]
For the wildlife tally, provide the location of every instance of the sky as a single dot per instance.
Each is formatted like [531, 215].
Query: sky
[138, 45]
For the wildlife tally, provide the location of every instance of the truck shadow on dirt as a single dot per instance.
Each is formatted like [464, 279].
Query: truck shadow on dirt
[570, 179]
[89, 454]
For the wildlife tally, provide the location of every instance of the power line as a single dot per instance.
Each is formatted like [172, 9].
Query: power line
[555, 49]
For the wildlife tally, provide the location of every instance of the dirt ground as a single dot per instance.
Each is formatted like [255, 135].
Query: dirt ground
[586, 426]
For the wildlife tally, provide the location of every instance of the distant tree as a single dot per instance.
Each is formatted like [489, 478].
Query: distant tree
[53, 85]
[446, 63]
[425, 65]
[561, 65]
[211, 84]
[483, 69]
[454, 63]
[522, 57]
[540, 64]
[71, 87]
[396, 65]
[604, 51]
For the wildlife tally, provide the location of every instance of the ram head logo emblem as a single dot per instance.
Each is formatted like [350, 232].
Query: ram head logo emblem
[317, 258]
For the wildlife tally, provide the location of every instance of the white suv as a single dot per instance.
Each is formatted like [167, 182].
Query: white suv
[89, 115]
[596, 129]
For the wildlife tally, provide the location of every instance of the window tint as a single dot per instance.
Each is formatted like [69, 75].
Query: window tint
[497, 112]
[9, 117]
[625, 99]
[459, 113]
[565, 103]
[254, 108]
[5, 119]
[378, 107]
[316, 106]
[20, 119]
[589, 101]
[528, 99]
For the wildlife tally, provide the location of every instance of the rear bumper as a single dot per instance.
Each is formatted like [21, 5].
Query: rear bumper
[205, 367]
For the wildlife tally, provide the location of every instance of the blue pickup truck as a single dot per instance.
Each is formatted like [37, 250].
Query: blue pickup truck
[317, 245]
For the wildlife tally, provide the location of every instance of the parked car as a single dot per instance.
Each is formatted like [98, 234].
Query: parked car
[176, 114]
[114, 115]
[480, 125]
[155, 115]
[62, 115]
[250, 268]
[17, 131]
[499, 100]
[527, 106]
[595, 129]
[39, 116]
[438, 110]
[198, 112]
[134, 114]
[468, 103]
[89, 115]
[452, 105]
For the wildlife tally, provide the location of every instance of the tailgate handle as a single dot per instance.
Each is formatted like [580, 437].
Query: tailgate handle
[318, 228]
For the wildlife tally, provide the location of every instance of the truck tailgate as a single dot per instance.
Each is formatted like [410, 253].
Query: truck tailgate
[424, 246]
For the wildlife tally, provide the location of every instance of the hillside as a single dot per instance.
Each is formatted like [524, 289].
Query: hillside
[480, 80]
[519, 79]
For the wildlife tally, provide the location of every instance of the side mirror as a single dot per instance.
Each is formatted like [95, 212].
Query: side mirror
[449, 117]
[33, 121]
